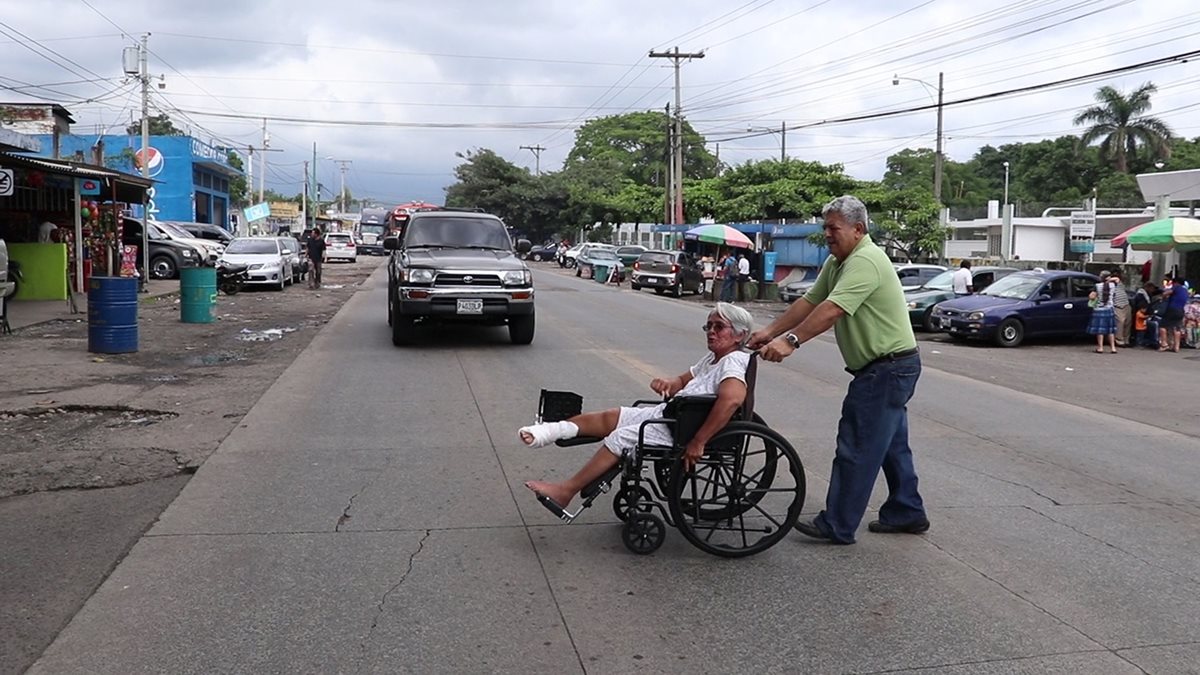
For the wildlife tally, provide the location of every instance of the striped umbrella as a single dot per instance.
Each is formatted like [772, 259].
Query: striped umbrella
[1167, 234]
[718, 234]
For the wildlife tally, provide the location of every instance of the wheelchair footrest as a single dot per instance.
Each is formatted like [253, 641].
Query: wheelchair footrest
[553, 507]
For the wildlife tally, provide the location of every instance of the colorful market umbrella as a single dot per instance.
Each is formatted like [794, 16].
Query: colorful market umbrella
[1168, 234]
[718, 234]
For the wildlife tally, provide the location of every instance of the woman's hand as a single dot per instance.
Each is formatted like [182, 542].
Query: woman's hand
[666, 387]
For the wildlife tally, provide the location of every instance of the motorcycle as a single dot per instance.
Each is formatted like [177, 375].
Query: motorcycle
[231, 277]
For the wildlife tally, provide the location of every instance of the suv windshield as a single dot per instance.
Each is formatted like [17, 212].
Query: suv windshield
[451, 232]
[253, 246]
[1016, 286]
[174, 230]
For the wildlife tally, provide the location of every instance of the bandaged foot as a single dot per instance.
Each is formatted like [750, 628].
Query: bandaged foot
[540, 435]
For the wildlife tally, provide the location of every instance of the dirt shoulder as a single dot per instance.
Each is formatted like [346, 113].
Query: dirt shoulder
[95, 446]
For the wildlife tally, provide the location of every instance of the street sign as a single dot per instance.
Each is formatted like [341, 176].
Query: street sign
[257, 212]
[1083, 224]
[6, 182]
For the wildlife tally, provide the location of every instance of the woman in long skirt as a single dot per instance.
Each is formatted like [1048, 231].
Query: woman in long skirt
[1104, 319]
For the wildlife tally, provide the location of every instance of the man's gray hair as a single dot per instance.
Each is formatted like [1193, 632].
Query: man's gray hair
[737, 317]
[849, 207]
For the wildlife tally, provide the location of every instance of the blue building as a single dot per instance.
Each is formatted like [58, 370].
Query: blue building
[192, 177]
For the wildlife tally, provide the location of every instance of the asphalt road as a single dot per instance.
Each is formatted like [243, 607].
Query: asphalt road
[368, 516]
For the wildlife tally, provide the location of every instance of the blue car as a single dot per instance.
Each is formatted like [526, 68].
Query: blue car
[1019, 306]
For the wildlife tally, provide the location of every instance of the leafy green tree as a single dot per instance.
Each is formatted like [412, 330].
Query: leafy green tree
[1185, 154]
[637, 142]
[1120, 124]
[768, 190]
[160, 125]
[237, 185]
[1119, 190]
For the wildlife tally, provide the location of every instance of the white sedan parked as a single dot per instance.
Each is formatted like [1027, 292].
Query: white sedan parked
[340, 246]
[268, 262]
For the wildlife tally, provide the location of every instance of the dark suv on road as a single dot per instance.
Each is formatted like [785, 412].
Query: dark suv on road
[458, 266]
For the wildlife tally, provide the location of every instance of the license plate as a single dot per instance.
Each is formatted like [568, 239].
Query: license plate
[470, 306]
[945, 322]
[653, 280]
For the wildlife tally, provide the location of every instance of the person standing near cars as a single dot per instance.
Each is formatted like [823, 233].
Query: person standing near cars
[1121, 309]
[961, 280]
[743, 276]
[858, 294]
[1170, 329]
[315, 247]
[729, 268]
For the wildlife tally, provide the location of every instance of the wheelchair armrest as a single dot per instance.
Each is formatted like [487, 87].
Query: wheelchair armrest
[578, 440]
[646, 402]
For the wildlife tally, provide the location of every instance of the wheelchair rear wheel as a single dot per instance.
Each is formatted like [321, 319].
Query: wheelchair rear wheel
[743, 496]
[723, 453]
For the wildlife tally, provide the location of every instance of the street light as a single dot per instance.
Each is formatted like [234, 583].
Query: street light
[782, 131]
[937, 158]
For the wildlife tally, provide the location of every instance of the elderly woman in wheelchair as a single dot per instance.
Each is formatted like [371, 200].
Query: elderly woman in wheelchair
[714, 462]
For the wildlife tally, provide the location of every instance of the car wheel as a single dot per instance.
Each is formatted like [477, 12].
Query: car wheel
[570, 263]
[1010, 332]
[282, 283]
[520, 329]
[677, 292]
[635, 286]
[403, 328]
[577, 272]
[537, 257]
[927, 321]
[389, 304]
[162, 267]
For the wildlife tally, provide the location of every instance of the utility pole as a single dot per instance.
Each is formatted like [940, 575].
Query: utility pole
[537, 156]
[677, 56]
[316, 197]
[144, 76]
[783, 141]
[304, 194]
[937, 158]
[669, 186]
[342, 194]
[262, 180]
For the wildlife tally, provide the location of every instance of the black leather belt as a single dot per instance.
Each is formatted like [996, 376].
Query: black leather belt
[894, 356]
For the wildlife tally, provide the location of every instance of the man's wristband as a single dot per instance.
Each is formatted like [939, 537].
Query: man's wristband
[792, 340]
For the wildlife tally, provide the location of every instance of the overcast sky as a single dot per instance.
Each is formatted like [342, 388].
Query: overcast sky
[400, 86]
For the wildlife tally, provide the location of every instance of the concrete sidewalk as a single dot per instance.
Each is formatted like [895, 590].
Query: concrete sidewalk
[22, 313]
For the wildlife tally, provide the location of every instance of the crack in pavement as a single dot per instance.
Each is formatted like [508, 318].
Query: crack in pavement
[384, 598]
[346, 511]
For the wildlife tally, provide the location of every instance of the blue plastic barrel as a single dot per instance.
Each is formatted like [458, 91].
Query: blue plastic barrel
[112, 315]
[198, 294]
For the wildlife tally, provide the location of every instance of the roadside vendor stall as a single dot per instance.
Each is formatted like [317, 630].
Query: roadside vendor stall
[61, 222]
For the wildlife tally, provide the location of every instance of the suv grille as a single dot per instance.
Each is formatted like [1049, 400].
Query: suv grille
[467, 280]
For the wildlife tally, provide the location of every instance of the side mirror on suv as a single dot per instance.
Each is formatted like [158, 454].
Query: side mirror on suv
[523, 246]
[391, 243]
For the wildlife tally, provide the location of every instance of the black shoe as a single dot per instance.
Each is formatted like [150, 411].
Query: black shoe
[809, 528]
[915, 527]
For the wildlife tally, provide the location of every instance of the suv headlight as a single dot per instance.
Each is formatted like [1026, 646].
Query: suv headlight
[518, 278]
[975, 316]
[418, 276]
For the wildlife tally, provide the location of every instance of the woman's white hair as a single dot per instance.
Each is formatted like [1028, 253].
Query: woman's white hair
[737, 317]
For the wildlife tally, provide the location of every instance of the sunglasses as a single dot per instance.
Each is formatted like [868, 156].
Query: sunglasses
[715, 326]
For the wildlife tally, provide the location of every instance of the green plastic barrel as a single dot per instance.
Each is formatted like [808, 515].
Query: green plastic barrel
[198, 291]
[601, 274]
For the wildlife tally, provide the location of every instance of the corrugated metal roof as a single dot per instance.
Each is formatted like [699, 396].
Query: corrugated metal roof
[67, 168]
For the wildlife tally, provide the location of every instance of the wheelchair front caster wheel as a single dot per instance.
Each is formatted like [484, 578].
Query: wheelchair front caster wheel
[643, 533]
[623, 503]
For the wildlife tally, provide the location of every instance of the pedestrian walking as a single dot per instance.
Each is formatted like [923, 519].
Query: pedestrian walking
[961, 280]
[743, 277]
[315, 246]
[1121, 309]
[728, 277]
[858, 294]
[1103, 321]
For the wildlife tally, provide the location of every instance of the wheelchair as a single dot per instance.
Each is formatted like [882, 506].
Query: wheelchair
[741, 498]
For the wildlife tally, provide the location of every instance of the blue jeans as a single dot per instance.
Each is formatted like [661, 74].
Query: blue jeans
[727, 289]
[873, 434]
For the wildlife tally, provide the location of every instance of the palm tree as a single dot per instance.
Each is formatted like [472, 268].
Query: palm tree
[1119, 120]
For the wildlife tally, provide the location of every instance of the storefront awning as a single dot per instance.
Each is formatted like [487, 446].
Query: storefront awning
[125, 187]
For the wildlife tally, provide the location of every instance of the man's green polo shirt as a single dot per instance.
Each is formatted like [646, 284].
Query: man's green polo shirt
[866, 287]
